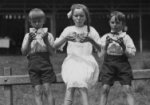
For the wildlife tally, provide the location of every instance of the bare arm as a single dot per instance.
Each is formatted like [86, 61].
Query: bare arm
[62, 40]
[26, 43]
[59, 42]
[130, 47]
[96, 45]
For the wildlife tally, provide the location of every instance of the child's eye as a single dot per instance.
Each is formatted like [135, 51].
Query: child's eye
[79, 16]
[117, 22]
[75, 15]
[112, 22]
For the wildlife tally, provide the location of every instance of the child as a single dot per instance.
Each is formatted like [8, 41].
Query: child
[117, 47]
[79, 70]
[38, 46]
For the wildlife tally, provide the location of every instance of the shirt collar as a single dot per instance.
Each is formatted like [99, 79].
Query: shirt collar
[116, 33]
[40, 30]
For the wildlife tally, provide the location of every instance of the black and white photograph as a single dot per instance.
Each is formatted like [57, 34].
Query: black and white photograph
[74, 52]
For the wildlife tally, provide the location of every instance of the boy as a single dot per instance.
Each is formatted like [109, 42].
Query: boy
[38, 46]
[117, 47]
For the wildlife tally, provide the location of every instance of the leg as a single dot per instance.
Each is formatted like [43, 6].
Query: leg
[48, 94]
[69, 96]
[38, 94]
[129, 96]
[84, 94]
[104, 94]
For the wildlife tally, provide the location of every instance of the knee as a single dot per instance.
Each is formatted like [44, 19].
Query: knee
[69, 94]
[83, 91]
[71, 90]
[47, 91]
[38, 92]
[127, 90]
[105, 90]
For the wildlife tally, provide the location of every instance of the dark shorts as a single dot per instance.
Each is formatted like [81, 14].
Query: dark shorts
[40, 69]
[116, 68]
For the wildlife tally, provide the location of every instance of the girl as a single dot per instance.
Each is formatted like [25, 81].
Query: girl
[38, 46]
[79, 69]
[117, 47]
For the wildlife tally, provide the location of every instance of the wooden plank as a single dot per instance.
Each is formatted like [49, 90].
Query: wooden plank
[8, 92]
[24, 79]
[21, 79]
[14, 79]
[141, 74]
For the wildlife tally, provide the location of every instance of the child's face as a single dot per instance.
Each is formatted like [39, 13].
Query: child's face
[115, 25]
[37, 23]
[79, 17]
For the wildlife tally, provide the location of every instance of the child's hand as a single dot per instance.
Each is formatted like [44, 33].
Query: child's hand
[121, 43]
[71, 37]
[31, 36]
[108, 40]
[85, 39]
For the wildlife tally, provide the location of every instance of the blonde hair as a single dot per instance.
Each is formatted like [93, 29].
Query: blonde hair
[36, 13]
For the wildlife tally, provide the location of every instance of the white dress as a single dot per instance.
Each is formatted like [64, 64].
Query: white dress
[80, 68]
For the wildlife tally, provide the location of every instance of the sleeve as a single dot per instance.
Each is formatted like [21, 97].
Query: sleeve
[102, 44]
[95, 35]
[61, 37]
[103, 40]
[51, 39]
[64, 33]
[130, 47]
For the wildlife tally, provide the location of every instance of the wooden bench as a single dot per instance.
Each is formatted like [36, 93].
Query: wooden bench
[8, 80]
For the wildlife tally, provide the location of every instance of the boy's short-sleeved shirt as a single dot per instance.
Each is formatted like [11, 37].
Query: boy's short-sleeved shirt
[114, 48]
[38, 44]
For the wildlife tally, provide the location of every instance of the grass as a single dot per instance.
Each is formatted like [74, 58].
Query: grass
[23, 94]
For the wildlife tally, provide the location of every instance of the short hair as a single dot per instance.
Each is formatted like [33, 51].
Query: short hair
[119, 16]
[36, 13]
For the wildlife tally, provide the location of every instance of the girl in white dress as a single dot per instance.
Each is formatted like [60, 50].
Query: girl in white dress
[79, 70]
